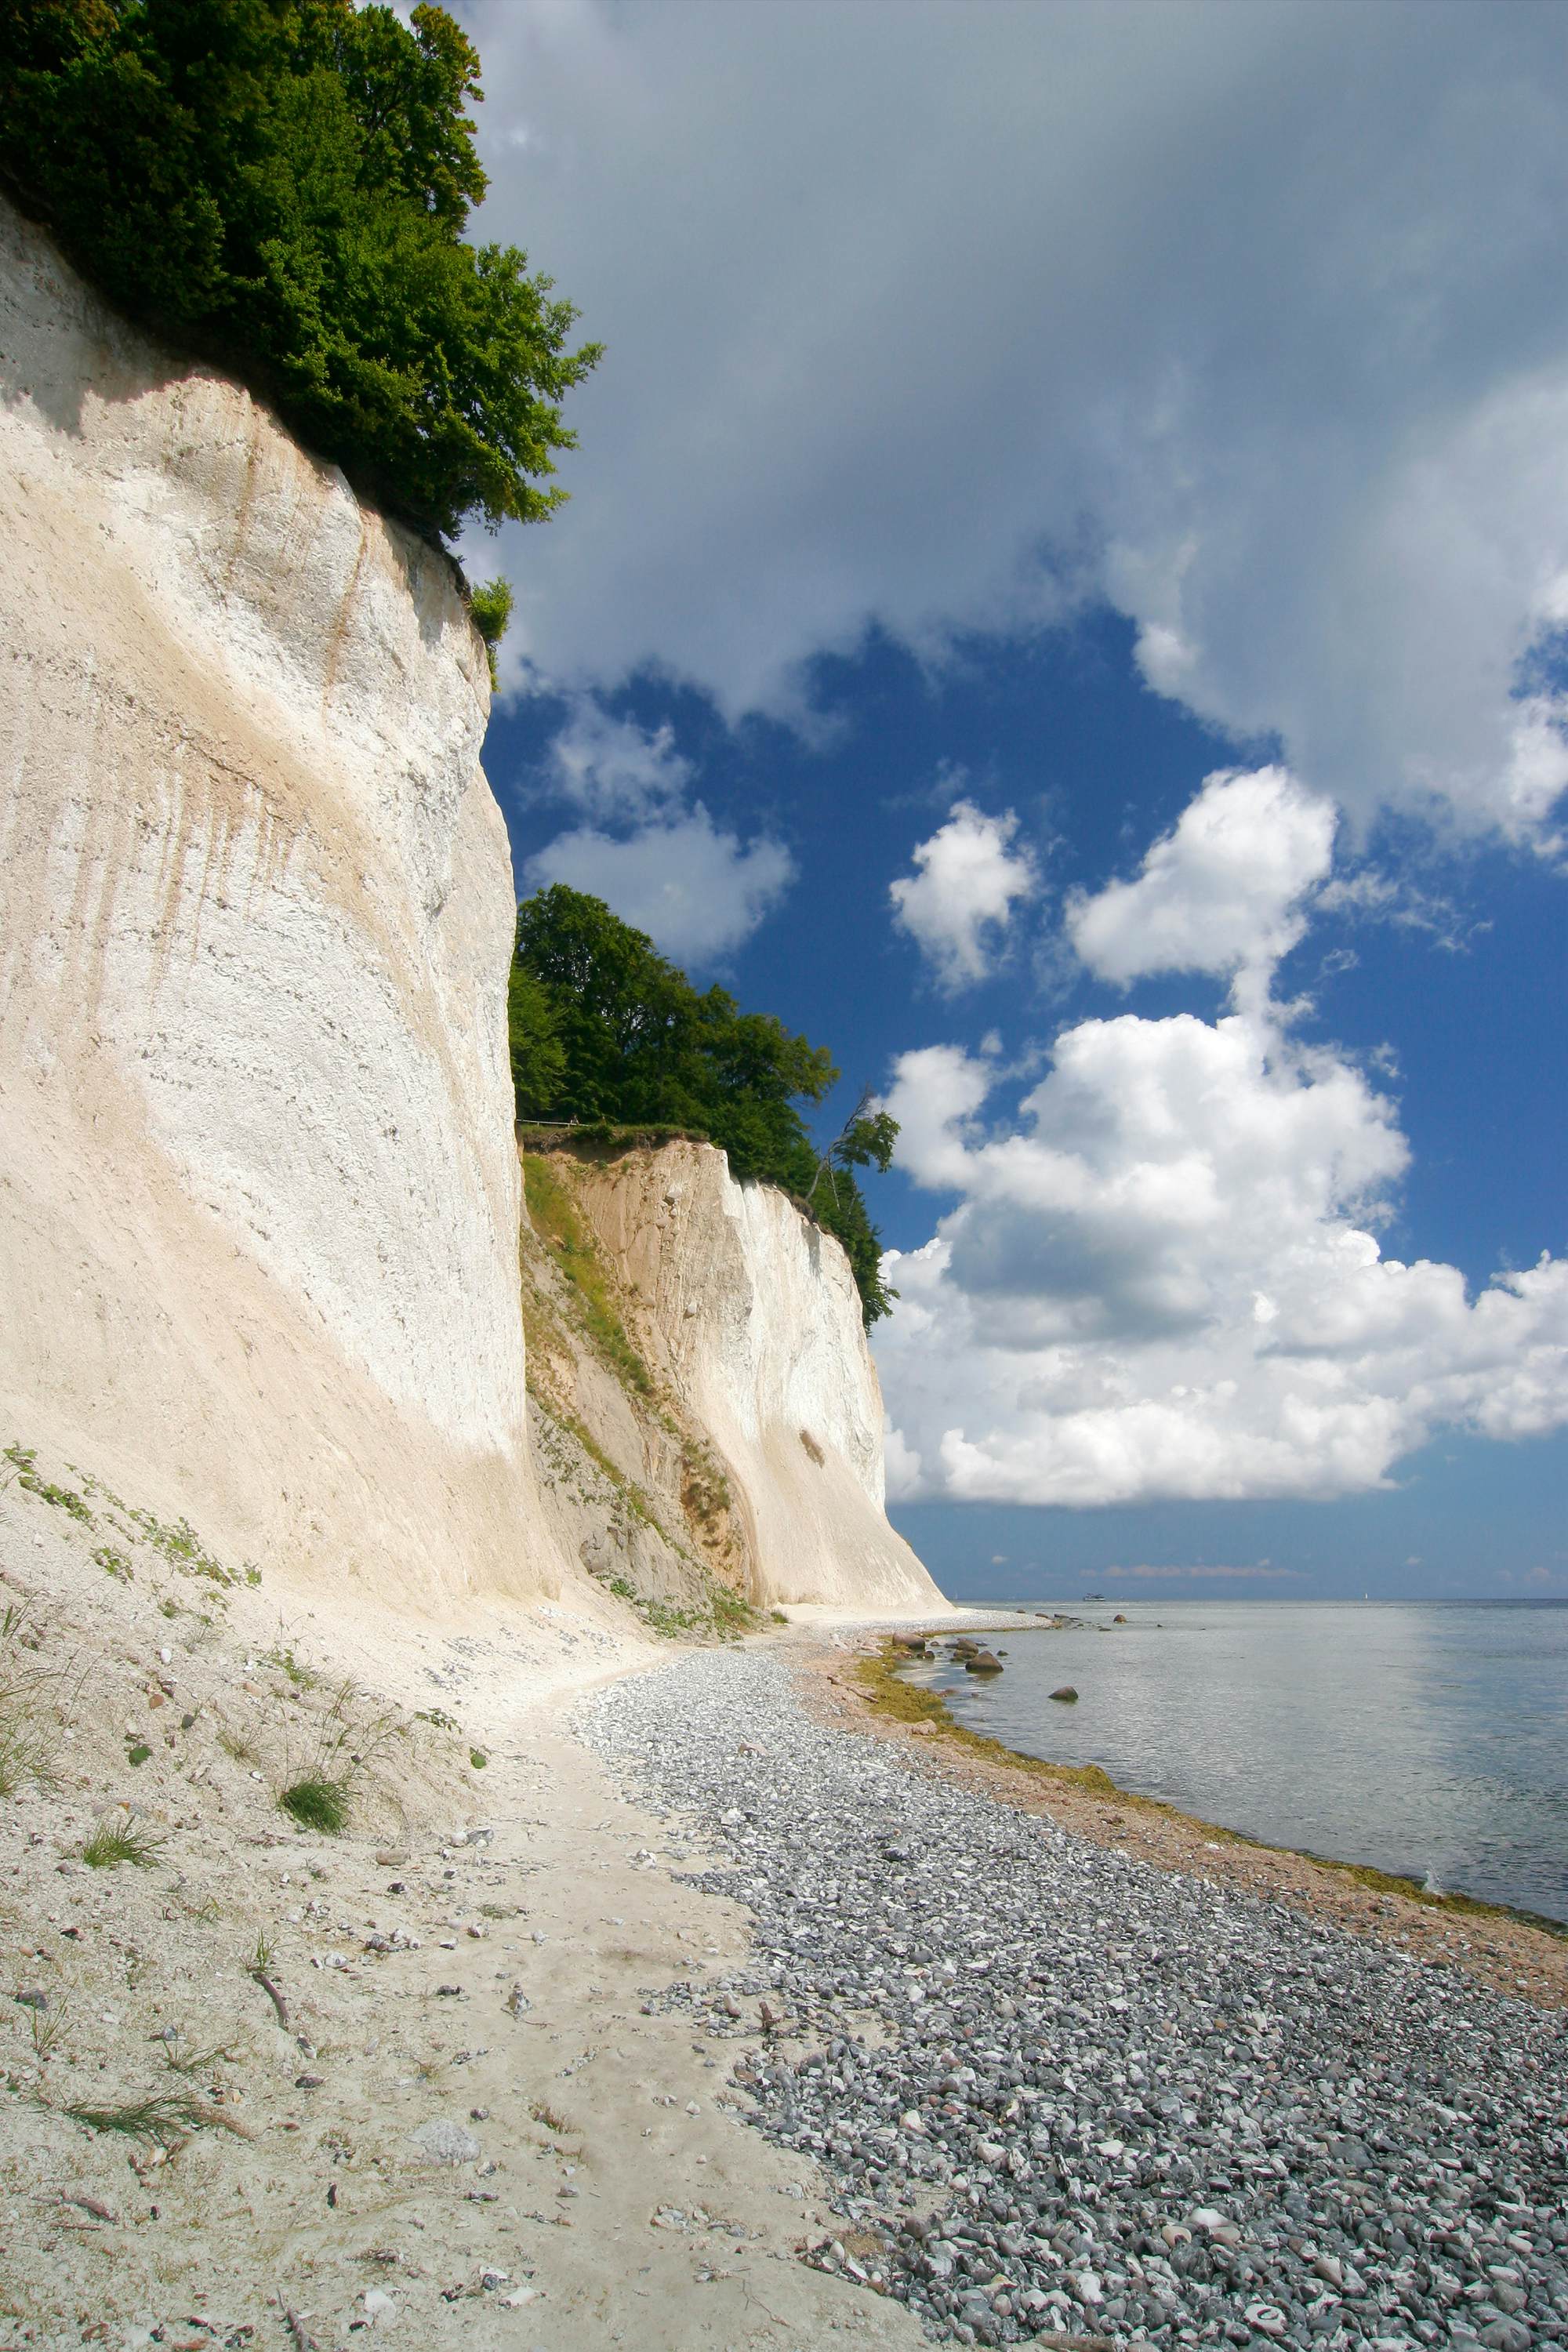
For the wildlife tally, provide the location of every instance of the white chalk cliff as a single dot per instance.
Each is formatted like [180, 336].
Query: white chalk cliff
[747, 1318]
[258, 1196]
[260, 1199]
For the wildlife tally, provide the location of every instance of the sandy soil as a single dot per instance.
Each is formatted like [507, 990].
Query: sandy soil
[605, 2191]
[1505, 1952]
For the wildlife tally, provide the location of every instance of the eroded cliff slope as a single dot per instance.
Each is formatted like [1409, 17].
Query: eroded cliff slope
[259, 1195]
[707, 1413]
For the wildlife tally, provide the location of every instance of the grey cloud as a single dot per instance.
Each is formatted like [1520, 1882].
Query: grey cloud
[1040, 1279]
[1251, 319]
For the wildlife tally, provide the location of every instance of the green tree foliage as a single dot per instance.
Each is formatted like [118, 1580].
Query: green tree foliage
[538, 1057]
[281, 186]
[489, 609]
[866, 1140]
[602, 1027]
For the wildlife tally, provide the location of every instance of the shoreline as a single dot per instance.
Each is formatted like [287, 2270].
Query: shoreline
[524, 2037]
[1063, 2090]
[1515, 1951]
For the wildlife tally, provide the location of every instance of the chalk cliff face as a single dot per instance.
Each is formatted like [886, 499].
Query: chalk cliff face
[259, 1195]
[259, 1200]
[758, 1443]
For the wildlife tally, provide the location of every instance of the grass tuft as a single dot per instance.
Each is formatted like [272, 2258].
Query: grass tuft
[28, 1748]
[200, 2065]
[161, 2120]
[48, 2029]
[180, 1546]
[281, 1656]
[733, 1612]
[24, 1459]
[318, 1805]
[29, 1696]
[112, 1843]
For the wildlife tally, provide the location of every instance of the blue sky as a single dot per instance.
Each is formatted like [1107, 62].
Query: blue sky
[1063, 600]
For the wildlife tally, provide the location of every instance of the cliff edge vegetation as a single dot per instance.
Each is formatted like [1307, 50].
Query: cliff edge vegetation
[280, 187]
[606, 1032]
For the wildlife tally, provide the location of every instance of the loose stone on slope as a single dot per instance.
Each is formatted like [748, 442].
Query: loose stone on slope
[440, 2142]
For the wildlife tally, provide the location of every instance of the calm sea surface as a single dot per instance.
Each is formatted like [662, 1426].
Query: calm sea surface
[1426, 1738]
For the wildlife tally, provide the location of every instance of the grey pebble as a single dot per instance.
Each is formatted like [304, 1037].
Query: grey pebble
[1144, 2108]
[439, 2142]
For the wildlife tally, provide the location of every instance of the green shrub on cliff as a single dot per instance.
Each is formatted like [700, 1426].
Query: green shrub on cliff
[604, 1029]
[489, 609]
[281, 186]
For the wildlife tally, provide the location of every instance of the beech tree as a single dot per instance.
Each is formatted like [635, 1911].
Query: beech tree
[866, 1140]
[281, 187]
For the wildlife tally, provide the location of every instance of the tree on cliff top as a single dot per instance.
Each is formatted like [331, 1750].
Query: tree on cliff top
[602, 1027]
[281, 186]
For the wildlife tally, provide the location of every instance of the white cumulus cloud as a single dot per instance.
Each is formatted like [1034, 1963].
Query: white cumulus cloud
[1164, 1278]
[697, 891]
[614, 768]
[1164, 1282]
[647, 847]
[957, 904]
[1222, 892]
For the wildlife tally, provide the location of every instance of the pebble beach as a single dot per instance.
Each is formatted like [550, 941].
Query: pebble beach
[1060, 2093]
[685, 2003]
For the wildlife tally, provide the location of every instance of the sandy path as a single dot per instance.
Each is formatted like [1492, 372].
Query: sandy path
[604, 2190]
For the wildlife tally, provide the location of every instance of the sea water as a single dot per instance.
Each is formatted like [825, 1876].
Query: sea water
[1426, 1738]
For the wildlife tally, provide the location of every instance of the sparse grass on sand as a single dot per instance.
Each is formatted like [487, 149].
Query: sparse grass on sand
[162, 2119]
[30, 1698]
[556, 1219]
[113, 1843]
[318, 1805]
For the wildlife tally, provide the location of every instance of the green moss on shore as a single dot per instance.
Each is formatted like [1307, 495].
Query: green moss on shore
[905, 1702]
